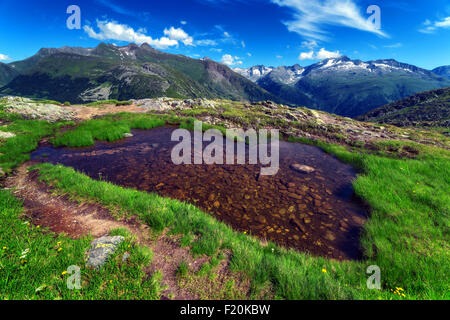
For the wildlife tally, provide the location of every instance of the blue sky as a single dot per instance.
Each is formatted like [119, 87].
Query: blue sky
[237, 32]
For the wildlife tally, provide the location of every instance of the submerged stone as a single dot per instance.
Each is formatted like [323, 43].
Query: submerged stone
[302, 168]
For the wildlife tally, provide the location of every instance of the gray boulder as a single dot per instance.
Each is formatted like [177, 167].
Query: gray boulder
[101, 249]
[6, 135]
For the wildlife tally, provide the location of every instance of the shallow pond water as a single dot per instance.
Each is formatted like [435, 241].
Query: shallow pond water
[315, 212]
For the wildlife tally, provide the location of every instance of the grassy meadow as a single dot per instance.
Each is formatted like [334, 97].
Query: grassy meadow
[407, 234]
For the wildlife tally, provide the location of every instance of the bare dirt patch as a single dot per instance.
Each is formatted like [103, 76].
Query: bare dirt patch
[58, 213]
[85, 113]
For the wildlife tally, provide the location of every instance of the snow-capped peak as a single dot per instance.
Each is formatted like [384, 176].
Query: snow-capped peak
[254, 73]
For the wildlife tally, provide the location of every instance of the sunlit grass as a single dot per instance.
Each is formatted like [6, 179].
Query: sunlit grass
[34, 263]
[407, 234]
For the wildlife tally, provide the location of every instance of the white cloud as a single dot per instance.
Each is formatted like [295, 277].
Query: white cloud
[112, 30]
[249, 54]
[395, 45]
[324, 54]
[183, 22]
[279, 57]
[4, 57]
[310, 44]
[216, 50]
[443, 24]
[432, 27]
[229, 60]
[310, 17]
[306, 55]
[116, 8]
[243, 44]
[321, 55]
[206, 42]
[225, 36]
[179, 35]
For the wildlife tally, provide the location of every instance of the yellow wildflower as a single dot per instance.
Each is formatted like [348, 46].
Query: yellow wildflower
[64, 273]
[324, 270]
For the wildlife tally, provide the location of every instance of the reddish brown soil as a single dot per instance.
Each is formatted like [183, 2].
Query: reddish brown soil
[85, 113]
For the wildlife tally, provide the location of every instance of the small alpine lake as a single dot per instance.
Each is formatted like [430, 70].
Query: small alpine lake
[315, 212]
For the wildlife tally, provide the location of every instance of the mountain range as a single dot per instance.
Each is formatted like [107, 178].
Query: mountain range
[347, 87]
[7, 73]
[431, 108]
[80, 75]
[339, 85]
[443, 71]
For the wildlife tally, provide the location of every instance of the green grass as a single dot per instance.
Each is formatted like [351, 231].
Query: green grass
[113, 127]
[48, 102]
[183, 269]
[197, 111]
[407, 234]
[112, 101]
[15, 151]
[107, 129]
[41, 273]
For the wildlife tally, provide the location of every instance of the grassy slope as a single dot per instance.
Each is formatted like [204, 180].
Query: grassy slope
[7, 73]
[431, 107]
[407, 234]
[64, 76]
[16, 150]
[45, 261]
[42, 272]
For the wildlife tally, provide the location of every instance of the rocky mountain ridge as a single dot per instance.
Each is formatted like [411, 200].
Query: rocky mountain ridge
[431, 108]
[80, 75]
[349, 87]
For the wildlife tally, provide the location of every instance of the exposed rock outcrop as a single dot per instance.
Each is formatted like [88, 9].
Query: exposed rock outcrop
[31, 109]
[101, 249]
